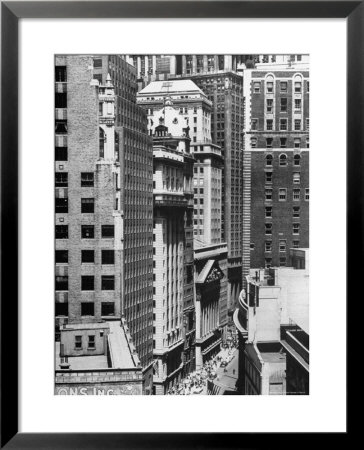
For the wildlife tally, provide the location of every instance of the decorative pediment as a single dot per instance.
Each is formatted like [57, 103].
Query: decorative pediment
[211, 272]
[214, 275]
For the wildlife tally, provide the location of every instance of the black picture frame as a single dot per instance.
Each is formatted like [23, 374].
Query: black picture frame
[11, 12]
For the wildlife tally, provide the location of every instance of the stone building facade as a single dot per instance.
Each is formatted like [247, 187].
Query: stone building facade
[104, 199]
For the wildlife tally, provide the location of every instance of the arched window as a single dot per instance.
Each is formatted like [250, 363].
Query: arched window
[296, 160]
[269, 160]
[269, 84]
[283, 160]
[297, 84]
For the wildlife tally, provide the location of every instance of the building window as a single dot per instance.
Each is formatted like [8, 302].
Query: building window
[91, 341]
[107, 308]
[296, 194]
[269, 85]
[61, 256]
[297, 142]
[268, 246]
[283, 142]
[87, 309]
[269, 160]
[297, 104]
[87, 282]
[269, 142]
[284, 104]
[254, 124]
[61, 154]
[87, 179]
[97, 62]
[298, 87]
[268, 194]
[283, 160]
[107, 257]
[61, 100]
[87, 231]
[87, 256]
[296, 212]
[253, 142]
[282, 245]
[78, 342]
[296, 228]
[256, 87]
[62, 283]
[282, 261]
[252, 246]
[307, 194]
[307, 124]
[269, 105]
[61, 231]
[87, 205]
[61, 205]
[283, 124]
[296, 178]
[284, 86]
[107, 282]
[269, 124]
[307, 142]
[61, 179]
[282, 196]
[268, 262]
[296, 244]
[61, 309]
[308, 86]
[268, 177]
[296, 160]
[297, 124]
[268, 211]
[268, 228]
[61, 74]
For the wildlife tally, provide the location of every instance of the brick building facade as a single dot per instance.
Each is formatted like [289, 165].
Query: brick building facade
[275, 166]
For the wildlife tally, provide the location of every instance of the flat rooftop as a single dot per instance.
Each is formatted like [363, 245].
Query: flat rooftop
[120, 355]
[82, 362]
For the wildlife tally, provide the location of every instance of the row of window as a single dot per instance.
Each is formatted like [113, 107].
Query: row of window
[269, 228]
[283, 124]
[282, 160]
[283, 86]
[87, 283]
[87, 205]
[87, 256]
[282, 194]
[268, 245]
[87, 231]
[282, 142]
[87, 309]
[269, 106]
[296, 177]
[296, 210]
[87, 179]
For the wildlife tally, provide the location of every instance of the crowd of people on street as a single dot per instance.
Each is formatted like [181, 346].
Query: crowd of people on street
[196, 382]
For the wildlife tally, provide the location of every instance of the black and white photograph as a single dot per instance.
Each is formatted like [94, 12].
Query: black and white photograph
[181, 224]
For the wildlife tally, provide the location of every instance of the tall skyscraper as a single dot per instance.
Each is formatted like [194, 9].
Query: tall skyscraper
[275, 165]
[104, 203]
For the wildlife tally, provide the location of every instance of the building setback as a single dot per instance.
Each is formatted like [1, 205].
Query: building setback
[104, 211]
[275, 166]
